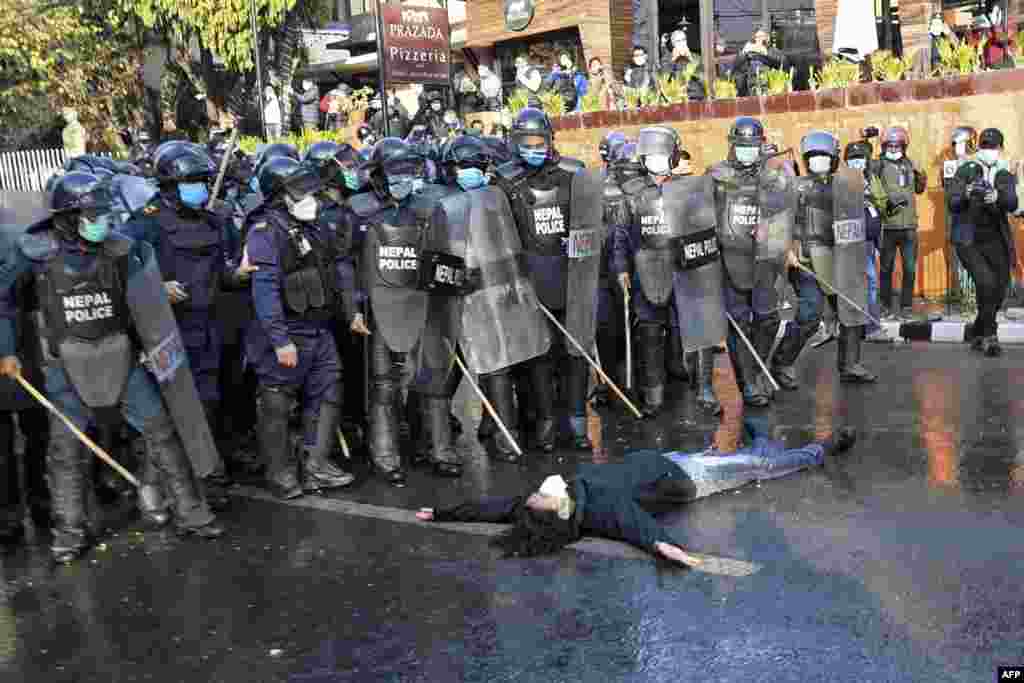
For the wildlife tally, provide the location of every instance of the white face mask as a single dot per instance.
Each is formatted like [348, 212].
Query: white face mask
[657, 164]
[306, 85]
[859, 164]
[304, 210]
[819, 164]
[960, 148]
[747, 155]
[640, 61]
[988, 156]
[895, 155]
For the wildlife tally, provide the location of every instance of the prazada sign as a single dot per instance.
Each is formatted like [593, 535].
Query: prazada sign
[417, 44]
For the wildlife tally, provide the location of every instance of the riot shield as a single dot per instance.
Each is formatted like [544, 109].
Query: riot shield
[850, 253]
[167, 360]
[774, 231]
[697, 281]
[390, 265]
[501, 324]
[442, 274]
[654, 260]
[586, 237]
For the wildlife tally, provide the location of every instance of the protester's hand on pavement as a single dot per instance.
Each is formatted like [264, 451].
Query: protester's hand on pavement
[359, 325]
[425, 515]
[676, 554]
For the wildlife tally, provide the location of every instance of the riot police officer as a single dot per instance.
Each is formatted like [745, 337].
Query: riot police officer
[296, 291]
[830, 229]
[665, 215]
[100, 294]
[557, 208]
[193, 247]
[755, 223]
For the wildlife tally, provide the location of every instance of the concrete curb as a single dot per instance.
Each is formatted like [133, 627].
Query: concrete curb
[949, 332]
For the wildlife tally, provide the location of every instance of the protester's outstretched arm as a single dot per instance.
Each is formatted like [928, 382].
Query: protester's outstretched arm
[493, 510]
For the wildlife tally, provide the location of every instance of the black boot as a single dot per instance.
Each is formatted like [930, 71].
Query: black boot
[692, 372]
[574, 385]
[69, 468]
[152, 501]
[674, 362]
[651, 341]
[216, 484]
[850, 369]
[788, 350]
[191, 513]
[706, 397]
[443, 457]
[542, 387]
[754, 394]
[318, 472]
[12, 530]
[765, 331]
[498, 388]
[384, 446]
[35, 425]
[276, 445]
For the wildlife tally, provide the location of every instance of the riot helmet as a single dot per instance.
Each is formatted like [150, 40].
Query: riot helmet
[278, 149]
[820, 152]
[365, 135]
[990, 143]
[857, 154]
[465, 162]
[166, 148]
[321, 153]
[964, 140]
[626, 165]
[273, 173]
[610, 141]
[532, 137]
[395, 169]
[658, 148]
[81, 205]
[182, 165]
[300, 190]
[745, 140]
[346, 168]
[895, 141]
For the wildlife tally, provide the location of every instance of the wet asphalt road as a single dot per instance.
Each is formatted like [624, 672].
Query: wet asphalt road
[902, 563]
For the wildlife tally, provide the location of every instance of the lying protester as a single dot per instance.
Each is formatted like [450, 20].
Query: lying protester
[615, 501]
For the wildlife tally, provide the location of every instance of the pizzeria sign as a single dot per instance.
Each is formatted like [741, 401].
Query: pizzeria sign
[416, 44]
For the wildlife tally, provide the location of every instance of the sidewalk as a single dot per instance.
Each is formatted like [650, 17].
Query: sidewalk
[939, 327]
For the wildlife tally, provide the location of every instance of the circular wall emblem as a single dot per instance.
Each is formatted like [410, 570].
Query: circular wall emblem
[518, 14]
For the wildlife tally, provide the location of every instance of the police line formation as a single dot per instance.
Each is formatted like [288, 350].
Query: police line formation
[166, 295]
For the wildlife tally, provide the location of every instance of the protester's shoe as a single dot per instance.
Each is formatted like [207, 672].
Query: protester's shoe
[991, 347]
[839, 442]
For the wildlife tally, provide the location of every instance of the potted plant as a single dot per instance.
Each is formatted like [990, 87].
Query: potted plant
[830, 84]
[958, 62]
[554, 106]
[673, 93]
[775, 86]
[889, 69]
[518, 101]
[593, 114]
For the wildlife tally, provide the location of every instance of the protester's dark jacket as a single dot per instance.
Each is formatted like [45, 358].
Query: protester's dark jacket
[973, 219]
[748, 64]
[695, 88]
[613, 501]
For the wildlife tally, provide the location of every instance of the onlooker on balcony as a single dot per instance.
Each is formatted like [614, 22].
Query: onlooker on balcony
[680, 61]
[999, 47]
[757, 56]
[568, 82]
[639, 75]
[309, 101]
[602, 82]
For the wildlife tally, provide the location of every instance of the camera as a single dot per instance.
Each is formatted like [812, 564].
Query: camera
[869, 132]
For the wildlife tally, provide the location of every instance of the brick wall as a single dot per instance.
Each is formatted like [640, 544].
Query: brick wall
[930, 124]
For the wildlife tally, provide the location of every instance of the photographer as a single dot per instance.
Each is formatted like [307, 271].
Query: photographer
[902, 182]
[982, 193]
[757, 56]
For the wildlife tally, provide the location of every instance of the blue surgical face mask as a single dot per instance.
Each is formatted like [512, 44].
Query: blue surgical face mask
[535, 156]
[400, 186]
[859, 164]
[193, 195]
[254, 184]
[95, 229]
[988, 156]
[470, 178]
[417, 185]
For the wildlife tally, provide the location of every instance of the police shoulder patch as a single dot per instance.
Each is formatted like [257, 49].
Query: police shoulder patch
[39, 245]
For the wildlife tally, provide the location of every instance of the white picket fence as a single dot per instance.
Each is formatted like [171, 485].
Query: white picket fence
[29, 170]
